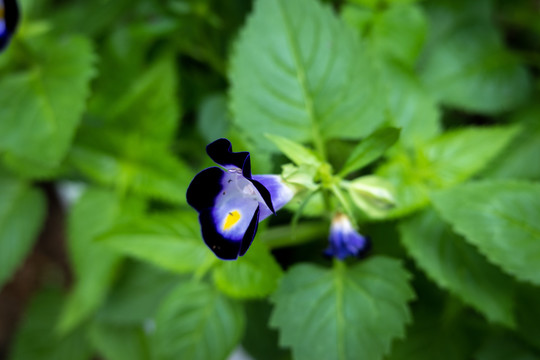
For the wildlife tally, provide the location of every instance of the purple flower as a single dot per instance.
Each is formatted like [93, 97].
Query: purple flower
[231, 202]
[9, 17]
[344, 240]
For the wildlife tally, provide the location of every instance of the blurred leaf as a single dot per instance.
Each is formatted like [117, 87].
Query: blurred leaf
[260, 341]
[130, 161]
[457, 266]
[528, 314]
[35, 340]
[467, 66]
[197, 322]
[397, 32]
[46, 102]
[370, 149]
[297, 153]
[342, 313]
[520, 158]
[94, 264]
[502, 347]
[22, 213]
[254, 275]
[500, 218]
[172, 241]
[137, 294]
[445, 161]
[114, 342]
[297, 71]
[213, 120]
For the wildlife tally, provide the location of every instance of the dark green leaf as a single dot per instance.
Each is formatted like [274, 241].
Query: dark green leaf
[197, 322]
[342, 313]
[115, 342]
[501, 219]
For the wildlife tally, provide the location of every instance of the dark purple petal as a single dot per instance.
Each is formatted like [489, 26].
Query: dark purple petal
[280, 193]
[221, 152]
[204, 188]
[265, 194]
[8, 23]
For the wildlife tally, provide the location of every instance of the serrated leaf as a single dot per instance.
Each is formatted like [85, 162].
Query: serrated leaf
[297, 153]
[94, 264]
[254, 275]
[115, 342]
[131, 162]
[171, 241]
[342, 313]
[370, 149]
[35, 339]
[46, 101]
[467, 66]
[447, 160]
[298, 71]
[457, 266]
[197, 322]
[501, 219]
[22, 212]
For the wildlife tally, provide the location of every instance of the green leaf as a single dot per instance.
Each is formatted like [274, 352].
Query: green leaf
[197, 322]
[171, 241]
[137, 294]
[504, 346]
[114, 342]
[46, 101]
[500, 218]
[342, 313]
[297, 153]
[94, 264]
[35, 339]
[212, 117]
[131, 162]
[254, 275]
[520, 158]
[22, 212]
[445, 161]
[397, 32]
[297, 71]
[468, 67]
[457, 266]
[370, 149]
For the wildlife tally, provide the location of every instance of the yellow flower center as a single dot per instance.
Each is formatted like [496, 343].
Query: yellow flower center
[232, 218]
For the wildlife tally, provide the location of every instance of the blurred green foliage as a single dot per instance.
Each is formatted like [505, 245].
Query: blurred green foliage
[418, 119]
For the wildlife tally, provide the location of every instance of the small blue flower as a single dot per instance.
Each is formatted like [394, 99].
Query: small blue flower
[232, 202]
[344, 240]
[9, 17]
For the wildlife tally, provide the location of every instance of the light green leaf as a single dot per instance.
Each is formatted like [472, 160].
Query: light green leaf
[36, 340]
[137, 294]
[457, 266]
[131, 162]
[297, 71]
[297, 153]
[370, 149]
[114, 342]
[445, 161]
[212, 117]
[171, 241]
[22, 212]
[254, 275]
[342, 313]
[501, 219]
[467, 66]
[94, 264]
[371, 194]
[45, 102]
[197, 322]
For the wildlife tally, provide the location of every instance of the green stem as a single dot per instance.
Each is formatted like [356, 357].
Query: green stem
[283, 236]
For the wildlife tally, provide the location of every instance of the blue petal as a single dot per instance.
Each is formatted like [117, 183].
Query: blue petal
[8, 23]
[280, 193]
[345, 241]
[221, 152]
[204, 188]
